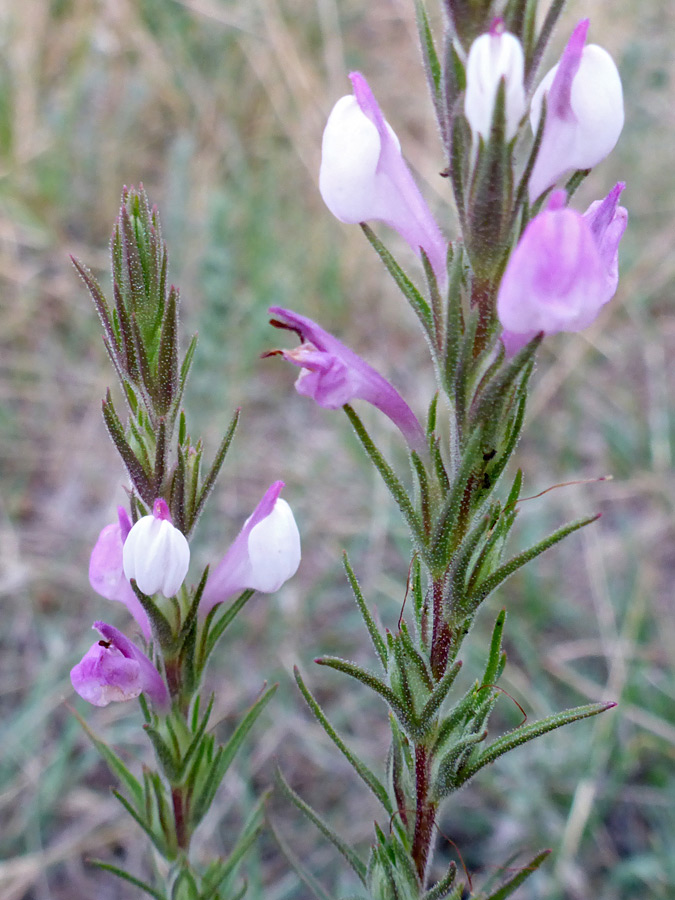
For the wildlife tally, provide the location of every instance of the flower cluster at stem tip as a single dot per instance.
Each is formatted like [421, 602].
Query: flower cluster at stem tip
[564, 269]
[156, 556]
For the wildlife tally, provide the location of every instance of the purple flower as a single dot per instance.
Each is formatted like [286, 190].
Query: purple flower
[364, 176]
[114, 669]
[156, 553]
[584, 112]
[106, 573]
[563, 270]
[333, 375]
[264, 555]
[493, 56]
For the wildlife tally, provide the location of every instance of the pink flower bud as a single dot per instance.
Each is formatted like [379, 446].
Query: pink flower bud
[584, 112]
[364, 176]
[333, 375]
[494, 56]
[156, 553]
[106, 572]
[114, 669]
[563, 270]
[264, 555]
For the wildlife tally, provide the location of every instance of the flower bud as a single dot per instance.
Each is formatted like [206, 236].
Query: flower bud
[364, 176]
[264, 555]
[563, 270]
[494, 56]
[584, 112]
[114, 669]
[106, 571]
[156, 553]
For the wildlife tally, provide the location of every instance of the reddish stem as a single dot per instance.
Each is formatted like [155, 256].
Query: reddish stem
[425, 814]
[180, 818]
[440, 638]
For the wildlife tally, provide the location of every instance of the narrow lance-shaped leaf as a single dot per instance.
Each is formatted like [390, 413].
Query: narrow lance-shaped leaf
[495, 649]
[138, 476]
[455, 323]
[157, 839]
[160, 624]
[361, 768]
[125, 876]
[389, 477]
[210, 480]
[185, 368]
[370, 680]
[532, 61]
[432, 65]
[441, 540]
[510, 886]
[225, 756]
[305, 876]
[528, 732]
[230, 865]
[99, 299]
[425, 497]
[167, 360]
[441, 888]
[441, 691]
[436, 308]
[408, 289]
[114, 762]
[374, 632]
[493, 581]
[346, 851]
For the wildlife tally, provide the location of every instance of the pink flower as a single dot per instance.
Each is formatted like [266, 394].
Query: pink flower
[114, 669]
[334, 375]
[156, 554]
[584, 112]
[106, 573]
[264, 555]
[563, 270]
[364, 176]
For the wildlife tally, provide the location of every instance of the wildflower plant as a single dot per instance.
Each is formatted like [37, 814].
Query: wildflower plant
[524, 264]
[142, 560]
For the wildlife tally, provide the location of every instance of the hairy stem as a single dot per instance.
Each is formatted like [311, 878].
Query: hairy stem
[425, 813]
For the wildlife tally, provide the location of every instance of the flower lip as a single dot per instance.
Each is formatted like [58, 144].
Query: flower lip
[563, 270]
[584, 112]
[363, 175]
[156, 554]
[333, 375]
[264, 555]
[114, 669]
[106, 571]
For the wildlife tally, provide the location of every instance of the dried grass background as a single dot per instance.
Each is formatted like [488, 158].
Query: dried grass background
[218, 108]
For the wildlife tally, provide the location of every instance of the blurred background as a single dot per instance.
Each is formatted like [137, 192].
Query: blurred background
[217, 106]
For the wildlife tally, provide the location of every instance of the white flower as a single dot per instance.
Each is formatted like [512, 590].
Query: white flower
[494, 56]
[584, 112]
[156, 553]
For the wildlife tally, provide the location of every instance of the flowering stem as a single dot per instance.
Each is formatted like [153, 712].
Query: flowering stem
[483, 294]
[425, 815]
[440, 640]
[178, 800]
